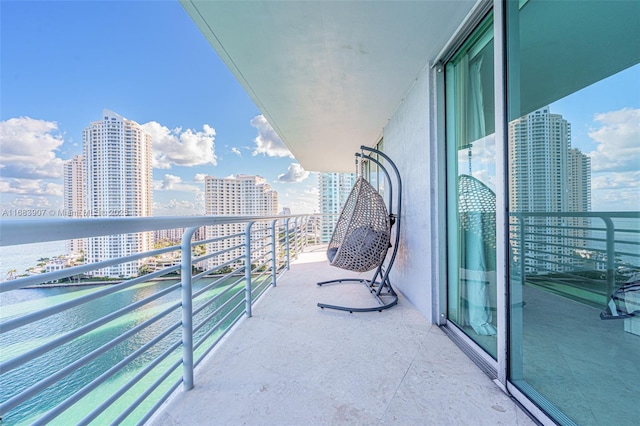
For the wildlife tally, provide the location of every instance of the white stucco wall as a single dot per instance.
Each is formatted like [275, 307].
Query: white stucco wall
[407, 139]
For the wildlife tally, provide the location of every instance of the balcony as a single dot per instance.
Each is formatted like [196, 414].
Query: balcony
[294, 363]
[246, 347]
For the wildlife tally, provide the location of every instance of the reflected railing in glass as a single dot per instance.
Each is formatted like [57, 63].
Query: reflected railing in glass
[582, 256]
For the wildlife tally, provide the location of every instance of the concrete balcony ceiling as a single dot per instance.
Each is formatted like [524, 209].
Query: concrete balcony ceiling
[327, 75]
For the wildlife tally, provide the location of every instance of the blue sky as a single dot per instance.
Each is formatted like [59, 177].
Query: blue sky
[63, 62]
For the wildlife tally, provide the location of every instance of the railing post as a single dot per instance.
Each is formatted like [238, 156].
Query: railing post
[187, 309]
[286, 238]
[611, 255]
[296, 231]
[522, 248]
[274, 253]
[305, 241]
[247, 268]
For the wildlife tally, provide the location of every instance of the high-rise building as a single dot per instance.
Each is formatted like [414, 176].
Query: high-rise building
[548, 176]
[236, 195]
[117, 182]
[73, 178]
[333, 190]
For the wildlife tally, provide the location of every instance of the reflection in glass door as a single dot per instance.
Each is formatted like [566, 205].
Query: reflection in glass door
[471, 200]
[574, 208]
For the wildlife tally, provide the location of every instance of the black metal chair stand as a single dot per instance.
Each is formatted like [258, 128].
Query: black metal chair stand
[359, 226]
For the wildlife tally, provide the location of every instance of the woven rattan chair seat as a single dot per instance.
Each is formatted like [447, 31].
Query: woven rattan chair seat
[361, 237]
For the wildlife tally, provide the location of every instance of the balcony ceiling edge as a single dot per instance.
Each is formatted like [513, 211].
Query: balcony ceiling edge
[328, 76]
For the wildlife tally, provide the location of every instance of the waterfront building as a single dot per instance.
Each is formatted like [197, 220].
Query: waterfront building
[547, 175]
[117, 182]
[73, 179]
[333, 190]
[175, 235]
[236, 195]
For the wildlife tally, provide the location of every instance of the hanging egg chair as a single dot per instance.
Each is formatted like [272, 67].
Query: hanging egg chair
[361, 236]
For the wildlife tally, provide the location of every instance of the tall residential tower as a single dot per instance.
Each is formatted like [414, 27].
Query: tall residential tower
[333, 190]
[548, 176]
[117, 182]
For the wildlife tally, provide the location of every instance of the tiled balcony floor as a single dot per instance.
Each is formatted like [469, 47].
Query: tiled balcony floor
[293, 363]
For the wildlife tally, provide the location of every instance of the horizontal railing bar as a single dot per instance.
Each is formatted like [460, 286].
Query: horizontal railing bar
[14, 231]
[215, 298]
[75, 270]
[47, 312]
[612, 215]
[217, 239]
[70, 368]
[120, 419]
[89, 387]
[262, 256]
[261, 275]
[204, 338]
[261, 244]
[226, 330]
[71, 335]
[132, 382]
[218, 267]
[217, 281]
[260, 289]
[631, 243]
[202, 258]
[268, 236]
[218, 310]
[159, 403]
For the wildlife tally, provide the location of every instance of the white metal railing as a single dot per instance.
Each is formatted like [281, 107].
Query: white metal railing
[584, 255]
[115, 352]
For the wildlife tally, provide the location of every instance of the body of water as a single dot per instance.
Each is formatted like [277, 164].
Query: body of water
[13, 343]
[25, 256]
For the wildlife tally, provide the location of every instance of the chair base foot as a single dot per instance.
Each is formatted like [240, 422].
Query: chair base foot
[375, 288]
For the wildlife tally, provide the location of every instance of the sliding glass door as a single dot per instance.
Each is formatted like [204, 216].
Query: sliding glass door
[471, 200]
[573, 195]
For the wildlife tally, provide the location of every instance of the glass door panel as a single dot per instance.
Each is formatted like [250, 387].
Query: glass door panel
[574, 202]
[471, 200]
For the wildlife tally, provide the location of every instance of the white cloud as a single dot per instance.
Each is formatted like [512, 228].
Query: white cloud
[30, 187]
[617, 136]
[170, 181]
[295, 173]
[174, 183]
[305, 201]
[29, 149]
[616, 180]
[615, 176]
[181, 148]
[268, 142]
[236, 151]
[176, 207]
[200, 177]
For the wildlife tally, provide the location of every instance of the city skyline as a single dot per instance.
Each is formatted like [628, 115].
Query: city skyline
[162, 74]
[63, 64]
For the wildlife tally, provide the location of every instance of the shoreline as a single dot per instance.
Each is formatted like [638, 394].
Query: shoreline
[88, 283]
[99, 283]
